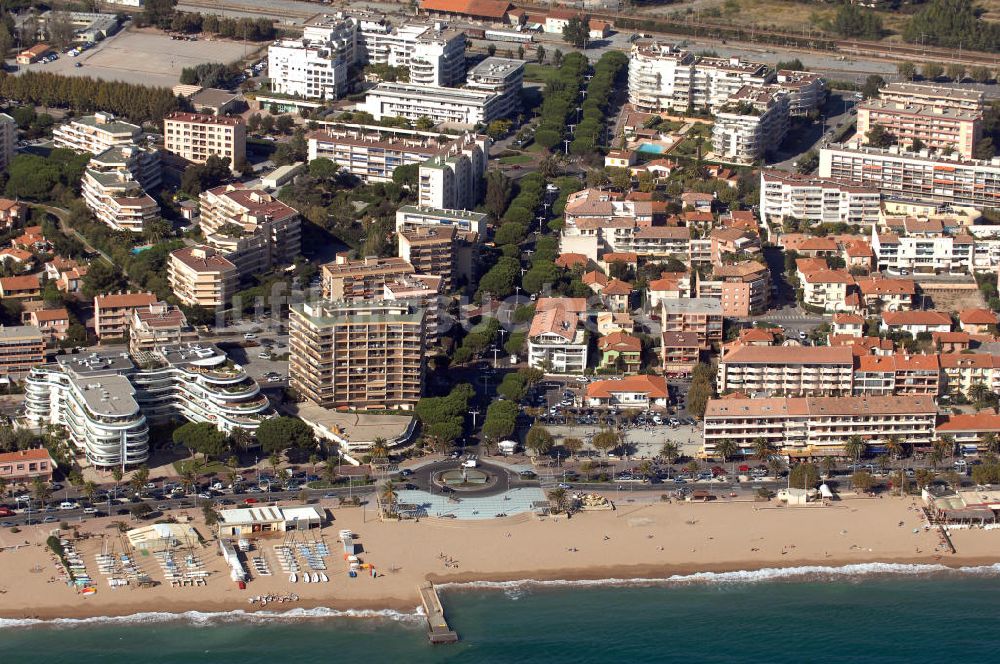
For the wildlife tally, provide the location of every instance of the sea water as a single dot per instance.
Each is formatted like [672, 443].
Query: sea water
[857, 614]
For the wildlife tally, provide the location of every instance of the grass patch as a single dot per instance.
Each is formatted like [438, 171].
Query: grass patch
[538, 73]
[200, 466]
[516, 159]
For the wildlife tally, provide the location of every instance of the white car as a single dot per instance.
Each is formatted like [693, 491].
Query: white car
[264, 356]
[90, 510]
[68, 505]
[249, 336]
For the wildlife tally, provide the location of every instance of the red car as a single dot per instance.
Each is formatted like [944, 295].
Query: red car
[250, 501]
[6, 511]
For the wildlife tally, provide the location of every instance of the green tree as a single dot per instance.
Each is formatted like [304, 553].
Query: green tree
[540, 54]
[873, 86]
[280, 433]
[576, 31]
[906, 70]
[862, 480]
[538, 440]
[855, 448]
[606, 440]
[389, 498]
[558, 498]
[803, 476]
[762, 449]
[878, 136]
[670, 452]
[201, 437]
[931, 71]
[500, 421]
[854, 21]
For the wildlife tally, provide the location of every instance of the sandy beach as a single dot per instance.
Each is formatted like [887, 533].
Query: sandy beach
[638, 540]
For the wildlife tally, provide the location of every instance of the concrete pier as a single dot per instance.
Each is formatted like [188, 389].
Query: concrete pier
[438, 630]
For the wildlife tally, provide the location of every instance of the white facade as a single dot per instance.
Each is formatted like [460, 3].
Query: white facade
[114, 187]
[808, 198]
[107, 403]
[411, 101]
[95, 133]
[501, 76]
[664, 77]
[307, 70]
[453, 182]
[753, 122]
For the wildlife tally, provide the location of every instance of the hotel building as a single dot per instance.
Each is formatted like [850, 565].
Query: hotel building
[819, 426]
[107, 402]
[809, 198]
[196, 137]
[365, 355]
[95, 133]
[787, 370]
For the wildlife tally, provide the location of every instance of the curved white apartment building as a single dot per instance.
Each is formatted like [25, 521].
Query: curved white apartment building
[107, 402]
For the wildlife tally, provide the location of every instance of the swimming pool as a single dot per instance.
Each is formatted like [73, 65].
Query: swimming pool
[651, 147]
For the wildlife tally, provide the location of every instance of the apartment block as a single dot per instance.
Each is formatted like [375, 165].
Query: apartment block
[364, 355]
[95, 133]
[423, 291]
[26, 465]
[317, 65]
[420, 215]
[679, 353]
[346, 279]
[921, 178]
[430, 250]
[899, 373]
[934, 96]
[372, 153]
[819, 426]
[158, 324]
[929, 245]
[663, 77]
[457, 106]
[787, 370]
[500, 76]
[250, 227]
[107, 401]
[452, 182]
[112, 312]
[114, 187]
[196, 137]
[806, 91]
[744, 289]
[25, 287]
[942, 129]
[21, 348]
[820, 200]
[700, 315]
[557, 340]
[970, 430]
[53, 323]
[201, 276]
[752, 122]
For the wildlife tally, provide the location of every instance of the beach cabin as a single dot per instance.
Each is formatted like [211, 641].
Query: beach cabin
[258, 521]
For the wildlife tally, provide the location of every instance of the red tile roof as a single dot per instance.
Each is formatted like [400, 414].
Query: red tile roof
[653, 386]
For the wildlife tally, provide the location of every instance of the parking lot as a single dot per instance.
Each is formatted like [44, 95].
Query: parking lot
[142, 56]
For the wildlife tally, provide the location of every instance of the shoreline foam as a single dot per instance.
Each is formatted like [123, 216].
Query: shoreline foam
[573, 579]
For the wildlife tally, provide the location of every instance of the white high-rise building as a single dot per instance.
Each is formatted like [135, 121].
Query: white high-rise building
[753, 121]
[664, 77]
[316, 66]
[809, 198]
[95, 133]
[114, 187]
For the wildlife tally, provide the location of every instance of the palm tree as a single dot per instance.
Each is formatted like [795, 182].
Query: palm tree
[828, 464]
[940, 449]
[854, 449]
[894, 447]
[241, 438]
[948, 445]
[188, 478]
[42, 490]
[117, 474]
[389, 497]
[3, 487]
[979, 394]
[558, 496]
[671, 452]
[775, 465]
[762, 449]
[89, 491]
[726, 449]
[991, 443]
[329, 471]
[274, 461]
[380, 448]
[606, 440]
[572, 445]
